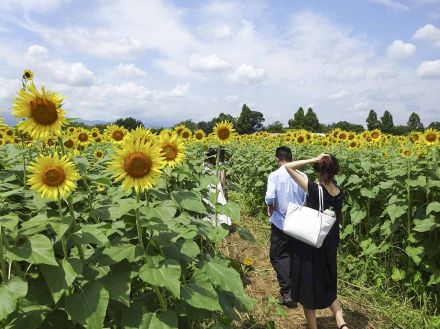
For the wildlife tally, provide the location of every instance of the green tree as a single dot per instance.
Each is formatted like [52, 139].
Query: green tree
[189, 124]
[372, 121]
[249, 121]
[347, 126]
[297, 122]
[386, 122]
[208, 126]
[435, 125]
[311, 122]
[129, 123]
[414, 122]
[275, 127]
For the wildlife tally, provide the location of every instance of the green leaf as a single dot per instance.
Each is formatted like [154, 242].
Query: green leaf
[165, 274]
[60, 278]
[233, 302]
[10, 292]
[88, 306]
[118, 282]
[30, 317]
[223, 277]
[120, 251]
[200, 295]
[190, 201]
[371, 194]
[419, 182]
[395, 211]
[9, 221]
[36, 249]
[245, 234]
[416, 254]
[90, 234]
[357, 215]
[425, 225]
[61, 225]
[165, 320]
[190, 249]
[132, 316]
[398, 275]
[433, 207]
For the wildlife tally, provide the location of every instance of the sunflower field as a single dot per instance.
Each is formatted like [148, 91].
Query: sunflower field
[119, 229]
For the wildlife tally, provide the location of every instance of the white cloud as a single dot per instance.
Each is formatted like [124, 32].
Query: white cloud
[391, 4]
[207, 63]
[216, 30]
[75, 74]
[37, 51]
[429, 69]
[180, 90]
[246, 74]
[339, 95]
[231, 98]
[428, 33]
[129, 70]
[173, 68]
[400, 50]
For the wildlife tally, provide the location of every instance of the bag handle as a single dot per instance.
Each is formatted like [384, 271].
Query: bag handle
[321, 198]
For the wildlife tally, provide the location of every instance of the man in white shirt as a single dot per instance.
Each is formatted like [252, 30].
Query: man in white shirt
[281, 189]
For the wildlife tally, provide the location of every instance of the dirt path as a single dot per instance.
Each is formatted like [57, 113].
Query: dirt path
[263, 287]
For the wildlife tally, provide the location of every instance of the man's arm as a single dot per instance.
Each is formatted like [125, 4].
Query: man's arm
[270, 194]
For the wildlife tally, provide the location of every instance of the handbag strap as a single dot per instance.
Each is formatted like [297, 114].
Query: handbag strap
[321, 198]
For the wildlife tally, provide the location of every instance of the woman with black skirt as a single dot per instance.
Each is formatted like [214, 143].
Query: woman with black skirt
[313, 270]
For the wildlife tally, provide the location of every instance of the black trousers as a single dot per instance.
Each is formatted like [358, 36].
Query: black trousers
[280, 254]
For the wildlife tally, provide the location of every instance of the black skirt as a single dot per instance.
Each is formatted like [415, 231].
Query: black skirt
[314, 270]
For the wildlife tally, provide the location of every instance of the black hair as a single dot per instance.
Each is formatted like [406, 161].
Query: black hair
[211, 155]
[283, 153]
[327, 168]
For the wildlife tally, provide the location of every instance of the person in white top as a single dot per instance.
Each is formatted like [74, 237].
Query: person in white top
[282, 189]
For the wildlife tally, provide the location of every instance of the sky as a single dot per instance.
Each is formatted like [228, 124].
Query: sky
[165, 61]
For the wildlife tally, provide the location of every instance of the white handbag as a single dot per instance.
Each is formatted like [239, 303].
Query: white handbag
[306, 224]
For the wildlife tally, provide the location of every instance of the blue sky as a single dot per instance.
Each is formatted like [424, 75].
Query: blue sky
[167, 61]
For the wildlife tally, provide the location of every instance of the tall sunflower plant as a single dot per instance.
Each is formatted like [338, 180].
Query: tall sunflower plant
[99, 236]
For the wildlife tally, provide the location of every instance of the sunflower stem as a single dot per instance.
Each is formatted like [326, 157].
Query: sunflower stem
[63, 238]
[160, 297]
[2, 259]
[217, 162]
[138, 222]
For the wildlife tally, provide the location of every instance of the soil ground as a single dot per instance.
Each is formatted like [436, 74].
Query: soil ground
[261, 284]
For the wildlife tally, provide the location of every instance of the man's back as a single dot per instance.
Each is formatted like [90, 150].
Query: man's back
[282, 189]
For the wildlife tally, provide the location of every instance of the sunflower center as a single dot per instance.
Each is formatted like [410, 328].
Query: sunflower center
[431, 137]
[83, 137]
[99, 154]
[43, 111]
[300, 139]
[94, 134]
[223, 133]
[185, 134]
[68, 143]
[199, 136]
[138, 164]
[53, 176]
[375, 135]
[27, 74]
[118, 135]
[9, 133]
[170, 152]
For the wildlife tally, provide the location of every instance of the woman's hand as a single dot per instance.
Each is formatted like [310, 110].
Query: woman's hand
[321, 156]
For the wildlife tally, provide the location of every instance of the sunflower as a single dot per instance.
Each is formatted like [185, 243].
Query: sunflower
[179, 129]
[342, 135]
[431, 136]
[325, 142]
[186, 134]
[353, 144]
[167, 132]
[28, 75]
[143, 135]
[69, 143]
[138, 165]
[351, 136]
[115, 134]
[375, 134]
[199, 134]
[415, 137]
[173, 149]
[52, 176]
[82, 137]
[99, 154]
[42, 110]
[224, 132]
[301, 139]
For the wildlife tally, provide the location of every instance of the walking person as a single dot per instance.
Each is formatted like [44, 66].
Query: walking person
[281, 190]
[314, 271]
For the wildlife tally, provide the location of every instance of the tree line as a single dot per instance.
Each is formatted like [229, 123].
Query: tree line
[250, 121]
